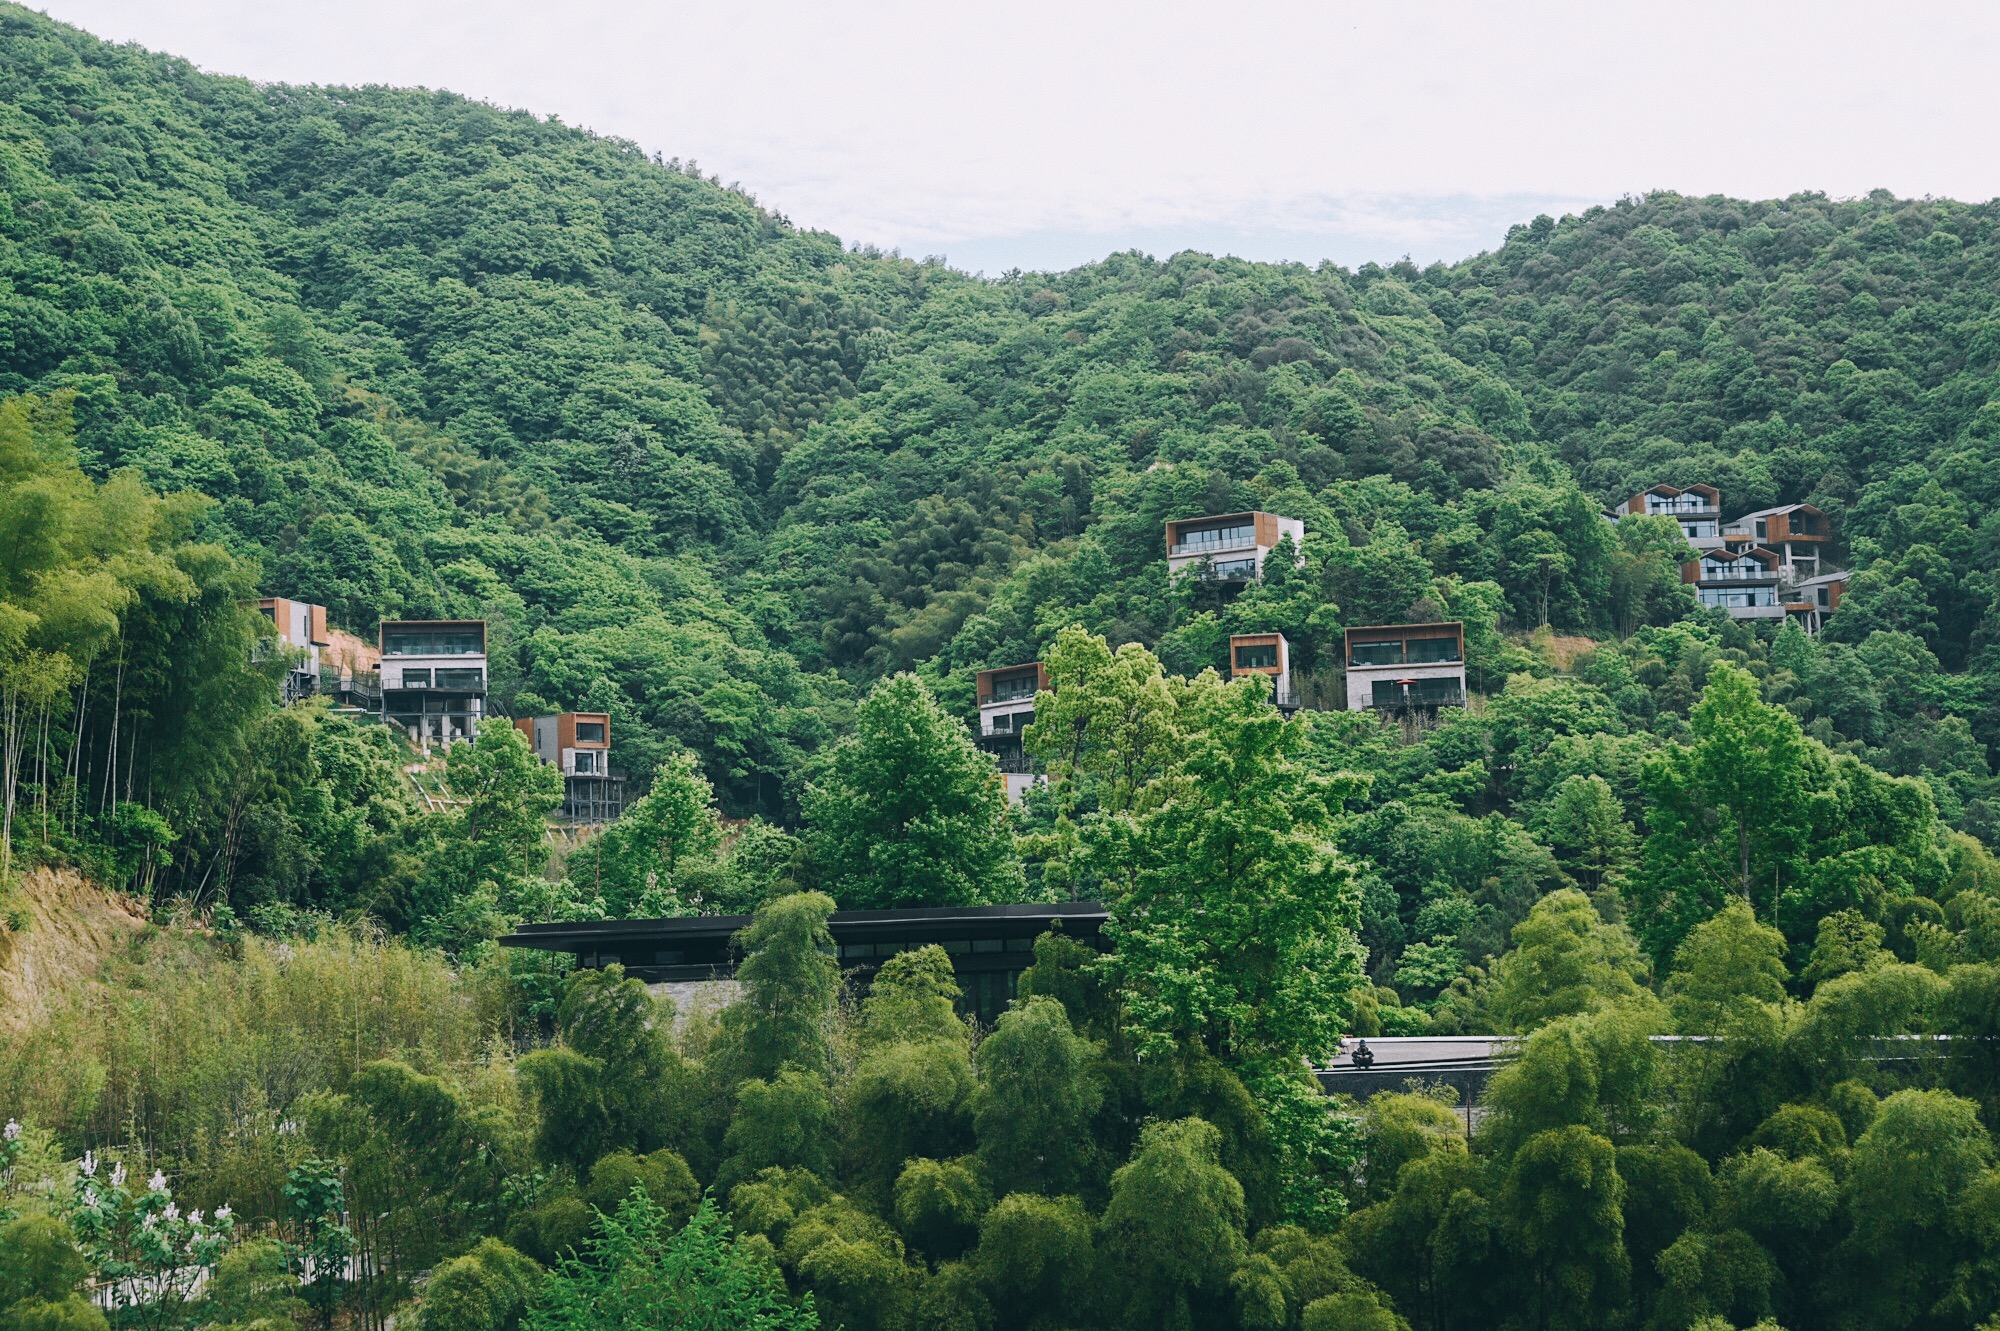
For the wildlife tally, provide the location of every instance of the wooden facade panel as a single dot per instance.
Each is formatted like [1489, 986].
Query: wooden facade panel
[566, 736]
[1283, 665]
[1452, 628]
[983, 680]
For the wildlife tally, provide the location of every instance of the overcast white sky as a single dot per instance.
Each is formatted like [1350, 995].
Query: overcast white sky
[1043, 135]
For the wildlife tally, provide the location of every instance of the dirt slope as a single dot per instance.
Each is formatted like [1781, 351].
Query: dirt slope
[72, 928]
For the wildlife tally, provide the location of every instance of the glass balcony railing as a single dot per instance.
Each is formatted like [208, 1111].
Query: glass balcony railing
[442, 679]
[1737, 600]
[1208, 542]
[1389, 696]
[433, 642]
[1007, 752]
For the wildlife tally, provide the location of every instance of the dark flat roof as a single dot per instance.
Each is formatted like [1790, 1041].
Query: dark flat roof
[931, 922]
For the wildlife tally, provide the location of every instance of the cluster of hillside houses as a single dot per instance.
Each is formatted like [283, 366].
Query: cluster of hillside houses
[1769, 564]
[428, 678]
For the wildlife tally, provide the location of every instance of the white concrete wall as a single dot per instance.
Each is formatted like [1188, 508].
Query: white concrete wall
[992, 711]
[1361, 679]
[1292, 527]
[394, 666]
[690, 997]
[1017, 784]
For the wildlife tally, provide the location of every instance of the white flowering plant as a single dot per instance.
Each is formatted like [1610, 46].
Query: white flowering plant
[147, 1254]
[12, 1143]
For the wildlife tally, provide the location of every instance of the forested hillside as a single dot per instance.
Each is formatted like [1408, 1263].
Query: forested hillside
[714, 475]
[435, 358]
[770, 502]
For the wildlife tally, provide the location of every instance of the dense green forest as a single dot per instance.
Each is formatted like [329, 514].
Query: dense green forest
[770, 501]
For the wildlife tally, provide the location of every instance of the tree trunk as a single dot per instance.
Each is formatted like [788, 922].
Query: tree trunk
[1743, 856]
[9, 740]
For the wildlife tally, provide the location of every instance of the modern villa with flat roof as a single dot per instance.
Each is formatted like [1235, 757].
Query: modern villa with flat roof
[1266, 655]
[434, 678]
[578, 744]
[301, 630]
[1228, 547]
[1006, 708]
[1405, 668]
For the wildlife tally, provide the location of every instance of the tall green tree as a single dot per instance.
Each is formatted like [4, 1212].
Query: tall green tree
[1039, 1092]
[1728, 814]
[1585, 824]
[1110, 724]
[1237, 933]
[1566, 960]
[1174, 1228]
[1563, 1207]
[660, 855]
[905, 811]
[637, 1272]
[790, 981]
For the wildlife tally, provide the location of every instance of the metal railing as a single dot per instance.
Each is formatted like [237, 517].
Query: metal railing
[1356, 663]
[1005, 746]
[1228, 570]
[1411, 702]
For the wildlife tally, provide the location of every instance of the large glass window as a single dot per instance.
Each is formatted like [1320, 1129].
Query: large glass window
[1737, 597]
[584, 761]
[1009, 723]
[1007, 688]
[473, 678]
[1435, 692]
[417, 679]
[1433, 649]
[1377, 653]
[1215, 538]
[1417, 693]
[1257, 656]
[590, 732]
[1236, 568]
[433, 642]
